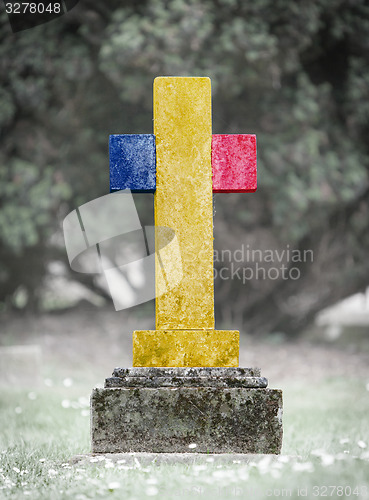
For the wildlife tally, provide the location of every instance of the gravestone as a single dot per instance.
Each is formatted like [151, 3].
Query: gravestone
[185, 391]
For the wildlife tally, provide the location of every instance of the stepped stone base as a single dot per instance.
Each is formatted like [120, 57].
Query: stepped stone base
[169, 410]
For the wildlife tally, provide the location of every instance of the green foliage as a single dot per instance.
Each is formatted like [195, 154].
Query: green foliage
[261, 58]
[31, 198]
[294, 73]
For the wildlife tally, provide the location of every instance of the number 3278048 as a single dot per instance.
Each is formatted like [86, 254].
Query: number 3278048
[32, 8]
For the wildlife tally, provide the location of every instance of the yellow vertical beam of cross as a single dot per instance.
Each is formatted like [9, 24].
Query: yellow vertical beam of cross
[184, 197]
[185, 334]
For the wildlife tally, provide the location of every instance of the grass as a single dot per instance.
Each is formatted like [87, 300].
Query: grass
[325, 451]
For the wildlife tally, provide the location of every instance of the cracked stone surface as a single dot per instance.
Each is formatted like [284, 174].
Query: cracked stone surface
[186, 382]
[186, 377]
[169, 419]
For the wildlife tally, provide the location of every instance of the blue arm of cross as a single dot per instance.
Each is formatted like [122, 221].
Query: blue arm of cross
[132, 162]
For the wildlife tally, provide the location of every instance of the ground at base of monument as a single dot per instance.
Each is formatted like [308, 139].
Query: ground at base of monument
[143, 459]
[325, 401]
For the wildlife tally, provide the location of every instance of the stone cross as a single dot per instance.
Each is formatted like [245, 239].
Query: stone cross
[184, 164]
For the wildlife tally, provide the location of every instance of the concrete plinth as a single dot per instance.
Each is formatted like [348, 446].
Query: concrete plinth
[165, 410]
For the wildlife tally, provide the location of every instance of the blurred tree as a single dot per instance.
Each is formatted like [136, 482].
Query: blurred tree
[296, 74]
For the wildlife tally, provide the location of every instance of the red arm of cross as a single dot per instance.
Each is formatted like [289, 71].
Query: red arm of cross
[233, 160]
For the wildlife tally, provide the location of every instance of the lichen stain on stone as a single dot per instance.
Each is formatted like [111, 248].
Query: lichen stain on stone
[223, 420]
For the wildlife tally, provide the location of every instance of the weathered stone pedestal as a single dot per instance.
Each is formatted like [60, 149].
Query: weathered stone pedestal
[164, 410]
